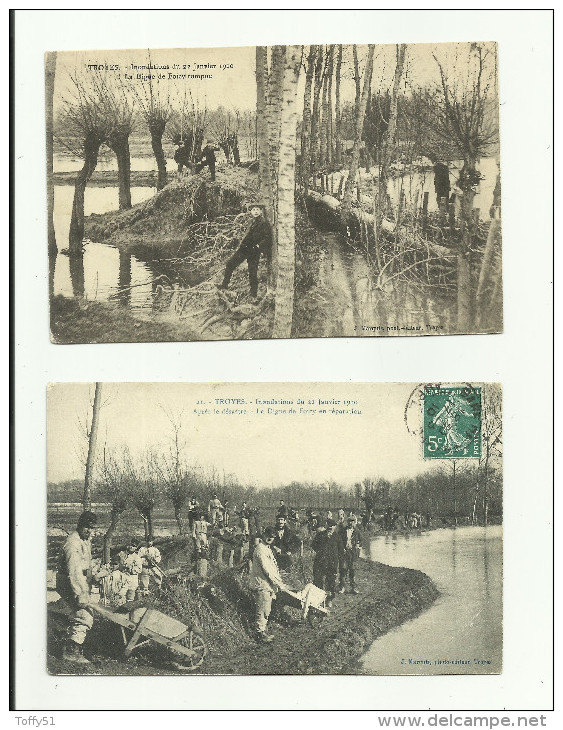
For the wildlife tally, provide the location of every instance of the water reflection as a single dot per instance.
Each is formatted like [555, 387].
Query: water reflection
[124, 295]
[76, 271]
[465, 623]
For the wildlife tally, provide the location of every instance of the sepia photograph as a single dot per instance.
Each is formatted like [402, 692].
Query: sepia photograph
[274, 529]
[291, 191]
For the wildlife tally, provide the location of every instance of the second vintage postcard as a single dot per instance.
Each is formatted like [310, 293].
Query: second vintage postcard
[274, 528]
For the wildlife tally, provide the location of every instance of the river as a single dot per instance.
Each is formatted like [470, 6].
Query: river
[461, 633]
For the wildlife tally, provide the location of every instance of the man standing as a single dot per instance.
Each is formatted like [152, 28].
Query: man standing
[215, 508]
[193, 504]
[352, 542]
[150, 555]
[207, 158]
[244, 514]
[75, 576]
[131, 566]
[329, 554]
[265, 581]
[285, 544]
[282, 510]
[258, 240]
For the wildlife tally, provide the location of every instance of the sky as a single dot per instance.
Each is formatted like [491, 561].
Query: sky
[265, 449]
[235, 88]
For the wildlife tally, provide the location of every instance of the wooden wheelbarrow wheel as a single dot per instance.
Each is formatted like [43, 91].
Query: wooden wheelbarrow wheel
[195, 643]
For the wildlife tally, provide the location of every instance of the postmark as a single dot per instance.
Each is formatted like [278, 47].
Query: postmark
[451, 422]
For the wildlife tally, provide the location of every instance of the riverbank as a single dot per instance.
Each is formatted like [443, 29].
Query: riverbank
[222, 608]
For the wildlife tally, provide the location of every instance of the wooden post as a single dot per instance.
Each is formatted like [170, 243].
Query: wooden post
[358, 192]
[425, 213]
[202, 567]
[231, 560]
[451, 214]
[220, 546]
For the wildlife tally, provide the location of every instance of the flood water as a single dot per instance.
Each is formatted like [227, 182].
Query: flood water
[362, 309]
[366, 310]
[464, 625]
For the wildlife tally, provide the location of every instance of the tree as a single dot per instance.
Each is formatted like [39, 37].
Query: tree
[114, 487]
[145, 488]
[92, 440]
[491, 441]
[389, 140]
[87, 126]
[285, 278]
[359, 125]
[262, 130]
[50, 69]
[461, 114]
[177, 480]
[156, 110]
[337, 110]
[120, 110]
[306, 126]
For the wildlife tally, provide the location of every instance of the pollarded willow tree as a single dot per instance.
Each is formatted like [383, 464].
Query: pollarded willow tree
[86, 125]
[155, 108]
[463, 112]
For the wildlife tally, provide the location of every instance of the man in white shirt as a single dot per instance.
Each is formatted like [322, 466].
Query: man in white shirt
[265, 581]
[75, 575]
[150, 556]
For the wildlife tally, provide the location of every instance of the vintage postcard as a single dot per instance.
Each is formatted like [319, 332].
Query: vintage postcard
[274, 528]
[274, 192]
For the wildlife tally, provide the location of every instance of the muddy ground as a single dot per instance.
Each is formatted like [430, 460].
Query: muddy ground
[222, 609]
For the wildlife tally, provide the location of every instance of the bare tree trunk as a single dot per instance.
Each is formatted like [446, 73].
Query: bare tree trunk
[76, 267]
[463, 268]
[330, 120]
[87, 497]
[324, 119]
[315, 116]
[454, 491]
[275, 90]
[157, 131]
[50, 68]
[76, 235]
[306, 128]
[359, 126]
[179, 520]
[392, 126]
[108, 537]
[337, 112]
[262, 133]
[283, 315]
[119, 143]
[485, 274]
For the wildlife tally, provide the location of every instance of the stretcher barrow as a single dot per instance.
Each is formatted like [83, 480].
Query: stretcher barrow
[141, 625]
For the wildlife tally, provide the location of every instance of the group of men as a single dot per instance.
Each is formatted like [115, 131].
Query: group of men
[335, 544]
[128, 579]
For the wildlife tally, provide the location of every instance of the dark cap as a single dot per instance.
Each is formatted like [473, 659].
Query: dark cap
[87, 519]
[269, 532]
[330, 523]
[255, 204]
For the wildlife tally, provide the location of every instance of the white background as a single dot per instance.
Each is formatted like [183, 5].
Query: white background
[520, 359]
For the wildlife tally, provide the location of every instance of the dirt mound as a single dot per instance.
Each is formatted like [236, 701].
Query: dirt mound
[165, 218]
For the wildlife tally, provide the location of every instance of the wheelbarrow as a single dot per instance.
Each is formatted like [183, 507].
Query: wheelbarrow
[141, 625]
[311, 600]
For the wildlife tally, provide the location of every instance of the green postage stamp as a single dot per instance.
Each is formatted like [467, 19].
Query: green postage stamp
[452, 422]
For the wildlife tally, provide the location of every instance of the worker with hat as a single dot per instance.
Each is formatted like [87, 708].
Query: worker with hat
[352, 541]
[329, 554]
[257, 241]
[265, 582]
